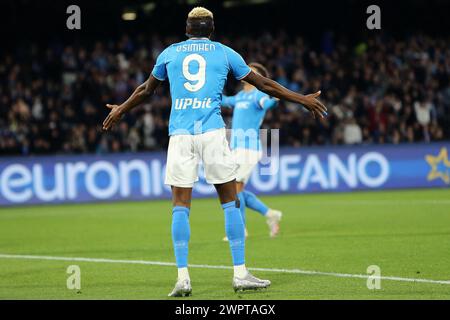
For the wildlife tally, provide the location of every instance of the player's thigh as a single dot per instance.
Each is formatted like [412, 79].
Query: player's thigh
[182, 162]
[218, 161]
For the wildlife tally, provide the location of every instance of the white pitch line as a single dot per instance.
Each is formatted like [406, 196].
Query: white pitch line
[207, 266]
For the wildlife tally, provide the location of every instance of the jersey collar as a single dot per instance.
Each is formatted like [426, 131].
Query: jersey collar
[196, 38]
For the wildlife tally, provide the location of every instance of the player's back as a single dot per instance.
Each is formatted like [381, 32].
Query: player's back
[249, 109]
[197, 70]
[248, 114]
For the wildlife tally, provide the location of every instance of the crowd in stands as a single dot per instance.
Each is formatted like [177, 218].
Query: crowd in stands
[378, 91]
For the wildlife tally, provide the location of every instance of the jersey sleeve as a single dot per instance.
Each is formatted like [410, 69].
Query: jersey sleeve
[236, 63]
[228, 102]
[159, 70]
[264, 101]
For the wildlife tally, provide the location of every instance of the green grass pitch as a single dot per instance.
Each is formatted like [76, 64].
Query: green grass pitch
[405, 233]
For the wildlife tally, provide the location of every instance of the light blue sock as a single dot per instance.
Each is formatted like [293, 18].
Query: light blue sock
[241, 198]
[253, 202]
[181, 234]
[234, 229]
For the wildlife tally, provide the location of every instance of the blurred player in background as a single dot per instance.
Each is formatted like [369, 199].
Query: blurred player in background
[197, 70]
[249, 108]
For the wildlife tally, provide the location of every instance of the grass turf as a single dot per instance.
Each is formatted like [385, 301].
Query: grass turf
[406, 233]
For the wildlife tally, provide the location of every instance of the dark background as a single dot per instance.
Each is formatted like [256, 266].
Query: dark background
[25, 20]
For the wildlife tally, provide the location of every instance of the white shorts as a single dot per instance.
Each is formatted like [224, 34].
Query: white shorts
[246, 160]
[186, 152]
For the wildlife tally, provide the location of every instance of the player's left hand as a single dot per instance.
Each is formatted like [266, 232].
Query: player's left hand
[312, 103]
[113, 117]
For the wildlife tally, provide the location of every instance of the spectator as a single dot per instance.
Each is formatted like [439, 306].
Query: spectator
[379, 91]
[352, 132]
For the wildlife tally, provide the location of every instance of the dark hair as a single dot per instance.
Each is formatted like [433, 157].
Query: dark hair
[199, 27]
[260, 68]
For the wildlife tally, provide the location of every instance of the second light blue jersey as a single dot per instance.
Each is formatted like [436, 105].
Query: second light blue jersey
[197, 70]
[249, 109]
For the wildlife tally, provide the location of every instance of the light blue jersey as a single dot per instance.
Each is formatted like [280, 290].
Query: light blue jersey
[197, 70]
[248, 115]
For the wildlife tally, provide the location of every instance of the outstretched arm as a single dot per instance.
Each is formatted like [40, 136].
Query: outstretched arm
[140, 94]
[275, 89]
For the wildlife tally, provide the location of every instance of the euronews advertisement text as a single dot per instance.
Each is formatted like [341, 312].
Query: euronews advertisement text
[140, 176]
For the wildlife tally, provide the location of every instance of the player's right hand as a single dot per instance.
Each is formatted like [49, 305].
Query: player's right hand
[314, 105]
[113, 117]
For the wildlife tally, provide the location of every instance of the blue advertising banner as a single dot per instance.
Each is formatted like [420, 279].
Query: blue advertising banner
[88, 178]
